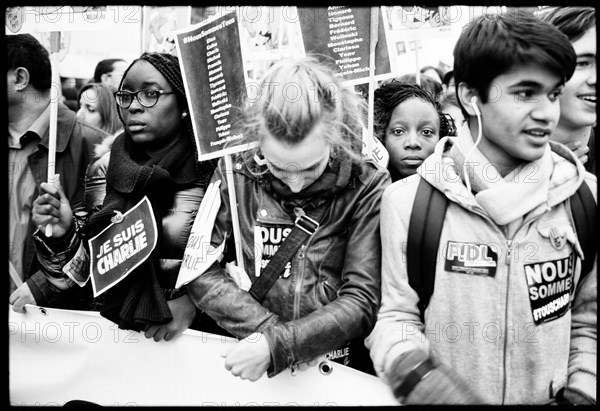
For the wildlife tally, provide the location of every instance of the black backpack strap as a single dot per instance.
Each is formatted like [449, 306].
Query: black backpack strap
[424, 231]
[304, 227]
[583, 208]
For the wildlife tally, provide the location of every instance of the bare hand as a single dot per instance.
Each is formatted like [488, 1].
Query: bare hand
[306, 365]
[579, 150]
[52, 207]
[250, 358]
[20, 297]
[183, 311]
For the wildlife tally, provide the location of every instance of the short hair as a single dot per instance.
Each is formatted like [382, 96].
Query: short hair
[390, 94]
[436, 69]
[318, 100]
[574, 22]
[447, 77]
[105, 66]
[492, 45]
[24, 50]
[107, 106]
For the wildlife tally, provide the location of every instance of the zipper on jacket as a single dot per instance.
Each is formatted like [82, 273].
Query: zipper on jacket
[301, 253]
[301, 263]
[509, 243]
[508, 258]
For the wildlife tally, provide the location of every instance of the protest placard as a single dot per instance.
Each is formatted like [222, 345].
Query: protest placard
[159, 26]
[215, 82]
[122, 246]
[340, 36]
[199, 252]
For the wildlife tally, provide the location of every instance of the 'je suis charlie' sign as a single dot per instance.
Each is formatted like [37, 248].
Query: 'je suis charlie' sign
[122, 246]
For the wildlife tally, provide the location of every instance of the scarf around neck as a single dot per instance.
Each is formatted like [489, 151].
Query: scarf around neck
[505, 199]
[138, 301]
[338, 175]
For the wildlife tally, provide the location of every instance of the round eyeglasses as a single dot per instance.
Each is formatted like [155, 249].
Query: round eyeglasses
[147, 98]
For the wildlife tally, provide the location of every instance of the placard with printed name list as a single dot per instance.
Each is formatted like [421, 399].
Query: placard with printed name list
[343, 34]
[214, 78]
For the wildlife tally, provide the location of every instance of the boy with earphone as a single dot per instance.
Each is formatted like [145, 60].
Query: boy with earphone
[512, 315]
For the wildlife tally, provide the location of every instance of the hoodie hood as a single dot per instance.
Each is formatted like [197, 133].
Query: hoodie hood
[533, 186]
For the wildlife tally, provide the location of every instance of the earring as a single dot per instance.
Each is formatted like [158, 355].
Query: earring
[184, 114]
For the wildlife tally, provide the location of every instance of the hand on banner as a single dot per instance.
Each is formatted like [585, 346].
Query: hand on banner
[52, 207]
[183, 311]
[250, 358]
[199, 253]
[306, 365]
[20, 297]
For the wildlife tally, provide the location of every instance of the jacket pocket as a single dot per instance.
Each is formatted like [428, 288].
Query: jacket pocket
[326, 291]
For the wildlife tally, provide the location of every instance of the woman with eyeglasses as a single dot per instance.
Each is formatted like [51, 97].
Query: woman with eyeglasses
[408, 121]
[306, 183]
[155, 156]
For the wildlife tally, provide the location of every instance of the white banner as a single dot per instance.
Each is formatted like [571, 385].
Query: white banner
[58, 355]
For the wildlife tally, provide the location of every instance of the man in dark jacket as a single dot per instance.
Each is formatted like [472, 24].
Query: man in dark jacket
[29, 82]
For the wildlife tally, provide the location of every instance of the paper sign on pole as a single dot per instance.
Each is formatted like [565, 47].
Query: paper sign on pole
[343, 35]
[215, 83]
[374, 149]
[199, 253]
[122, 246]
[160, 24]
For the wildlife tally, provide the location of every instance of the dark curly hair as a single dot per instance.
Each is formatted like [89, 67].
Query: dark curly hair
[392, 93]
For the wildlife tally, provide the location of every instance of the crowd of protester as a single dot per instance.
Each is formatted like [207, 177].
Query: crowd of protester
[500, 169]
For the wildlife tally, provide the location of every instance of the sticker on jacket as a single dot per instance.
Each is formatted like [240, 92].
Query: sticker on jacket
[550, 287]
[267, 241]
[470, 258]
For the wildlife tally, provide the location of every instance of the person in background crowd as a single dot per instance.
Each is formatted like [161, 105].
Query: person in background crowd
[508, 187]
[97, 107]
[307, 169]
[576, 128]
[433, 72]
[448, 85]
[154, 157]
[433, 87]
[408, 121]
[110, 72]
[29, 78]
[449, 105]
[70, 87]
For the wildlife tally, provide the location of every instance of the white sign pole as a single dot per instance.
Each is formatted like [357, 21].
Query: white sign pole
[372, 46]
[237, 237]
[55, 94]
